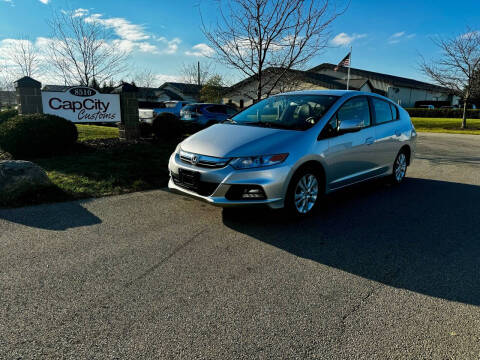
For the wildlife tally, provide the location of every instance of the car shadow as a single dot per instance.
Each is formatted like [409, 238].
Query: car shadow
[59, 216]
[422, 236]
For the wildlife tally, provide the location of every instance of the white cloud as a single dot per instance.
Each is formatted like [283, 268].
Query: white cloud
[162, 78]
[131, 37]
[44, 1]
[399, 36]
[122, 27]
[80, 12]
[200, 50]
[343, 39]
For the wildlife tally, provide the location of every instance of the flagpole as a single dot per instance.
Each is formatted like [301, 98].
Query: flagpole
[349, 65]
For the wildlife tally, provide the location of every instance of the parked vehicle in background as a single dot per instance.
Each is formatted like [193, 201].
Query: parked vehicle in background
[146, 115]
[203, 115]
[427, 106]
[172, 107]
[290, 149]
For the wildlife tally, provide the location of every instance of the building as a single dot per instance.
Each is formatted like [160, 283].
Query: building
[403, 91]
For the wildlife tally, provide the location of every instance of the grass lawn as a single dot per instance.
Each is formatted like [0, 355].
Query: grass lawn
[92, 132]
[443, 125]
[126, 169]
[95, 170]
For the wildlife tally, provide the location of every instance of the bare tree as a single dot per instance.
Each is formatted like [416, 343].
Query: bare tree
[196, 73]
[457, 67]
[7, 77]
[145, 78]
[25, 55]
[253, 35]
[83, 48]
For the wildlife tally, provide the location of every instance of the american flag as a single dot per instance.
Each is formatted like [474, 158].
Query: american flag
[345, 62]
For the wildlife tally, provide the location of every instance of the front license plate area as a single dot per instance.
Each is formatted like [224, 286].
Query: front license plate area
[189, 179]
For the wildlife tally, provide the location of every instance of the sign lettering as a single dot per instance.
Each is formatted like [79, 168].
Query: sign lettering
[82, 104]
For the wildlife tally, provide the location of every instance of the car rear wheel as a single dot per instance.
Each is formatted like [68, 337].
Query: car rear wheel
[304, 193]
[399, 168]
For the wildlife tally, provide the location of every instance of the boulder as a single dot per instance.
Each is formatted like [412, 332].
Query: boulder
[17, 176]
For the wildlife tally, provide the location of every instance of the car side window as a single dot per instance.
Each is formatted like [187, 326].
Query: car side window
[394, 111]
[383, 111]
[355, 109]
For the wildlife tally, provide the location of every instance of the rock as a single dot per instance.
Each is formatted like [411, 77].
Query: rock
[17, 176]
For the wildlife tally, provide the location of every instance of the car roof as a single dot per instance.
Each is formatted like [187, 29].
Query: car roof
[208, 104]
[339, 93]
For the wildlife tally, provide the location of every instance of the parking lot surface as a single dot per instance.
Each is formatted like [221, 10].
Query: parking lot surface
[379, 272]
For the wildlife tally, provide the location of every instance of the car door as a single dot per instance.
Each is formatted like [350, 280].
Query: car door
[387, 132]
[349, 155]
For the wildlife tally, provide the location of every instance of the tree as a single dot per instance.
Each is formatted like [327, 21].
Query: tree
[25, 55]
[7, 77]
[212, 91]
[83, 48]
[457, 67]
[190, 73]
[253, 35]
[145, 78]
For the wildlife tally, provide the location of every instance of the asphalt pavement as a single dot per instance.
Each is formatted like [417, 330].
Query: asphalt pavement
[380, 272]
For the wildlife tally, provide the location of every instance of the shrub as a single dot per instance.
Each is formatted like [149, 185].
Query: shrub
[37, 135]
[7, 114]
[443, 113]
[145, 129]
[167, 126]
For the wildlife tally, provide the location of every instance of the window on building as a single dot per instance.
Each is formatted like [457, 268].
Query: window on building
[241, 103]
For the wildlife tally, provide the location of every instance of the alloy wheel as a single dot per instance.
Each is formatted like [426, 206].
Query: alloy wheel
[306, 193]
[400, 167]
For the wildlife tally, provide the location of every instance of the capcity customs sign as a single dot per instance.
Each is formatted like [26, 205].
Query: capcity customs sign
[82, 104]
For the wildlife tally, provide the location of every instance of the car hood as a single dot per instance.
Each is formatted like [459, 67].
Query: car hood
[225, 140]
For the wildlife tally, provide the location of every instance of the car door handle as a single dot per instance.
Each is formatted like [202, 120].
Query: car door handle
[370, 141]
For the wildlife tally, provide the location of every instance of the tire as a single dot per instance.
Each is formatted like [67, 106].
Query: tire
[399, 168]
[305, 192]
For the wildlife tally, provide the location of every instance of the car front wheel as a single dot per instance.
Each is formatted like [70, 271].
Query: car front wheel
[304, 192]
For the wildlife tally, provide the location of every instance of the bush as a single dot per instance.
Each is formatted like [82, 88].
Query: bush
[167, 126]
[145, 129]
[37, 135]
[7, 114]
[443, 113]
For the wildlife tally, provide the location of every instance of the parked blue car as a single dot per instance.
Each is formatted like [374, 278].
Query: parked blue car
[173, 107]
[203, 115]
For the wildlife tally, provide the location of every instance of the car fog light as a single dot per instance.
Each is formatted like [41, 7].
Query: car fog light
[252, 194]
[245, 192]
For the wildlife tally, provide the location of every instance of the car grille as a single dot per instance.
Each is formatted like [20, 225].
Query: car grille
[203, 188]
[203, 160]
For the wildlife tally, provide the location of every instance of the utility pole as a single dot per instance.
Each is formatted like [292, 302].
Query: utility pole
[198, 73]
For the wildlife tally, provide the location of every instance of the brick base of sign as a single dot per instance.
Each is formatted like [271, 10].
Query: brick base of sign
[130, 133]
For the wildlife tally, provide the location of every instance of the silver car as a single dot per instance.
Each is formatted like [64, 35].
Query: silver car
[292, 148]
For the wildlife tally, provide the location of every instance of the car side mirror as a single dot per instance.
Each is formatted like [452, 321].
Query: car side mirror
[350, 125]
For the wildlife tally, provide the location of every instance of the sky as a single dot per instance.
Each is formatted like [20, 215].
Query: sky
[160, 35]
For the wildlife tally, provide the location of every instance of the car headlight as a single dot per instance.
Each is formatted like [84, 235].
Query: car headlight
[257, 161]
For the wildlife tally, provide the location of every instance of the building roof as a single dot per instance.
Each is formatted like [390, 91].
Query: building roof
[311, 77]
[188, 89]
[392, 79]
[56, 88]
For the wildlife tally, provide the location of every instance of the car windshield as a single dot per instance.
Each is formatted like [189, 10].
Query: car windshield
[293, 112]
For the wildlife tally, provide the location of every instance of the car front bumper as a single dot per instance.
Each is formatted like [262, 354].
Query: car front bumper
[272, 179]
